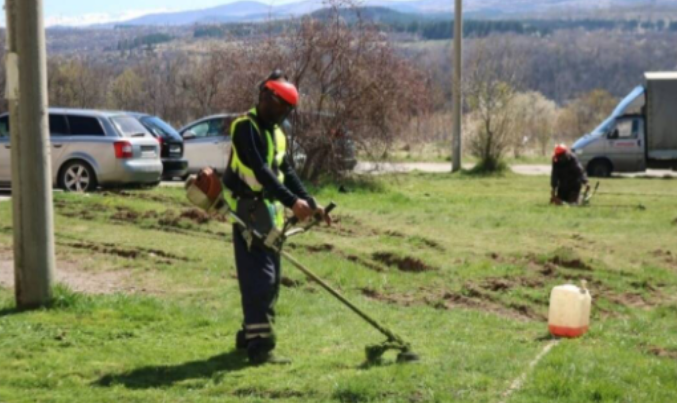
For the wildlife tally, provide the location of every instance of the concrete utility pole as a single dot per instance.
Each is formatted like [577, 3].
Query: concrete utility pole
[33, 217]
[457, 93]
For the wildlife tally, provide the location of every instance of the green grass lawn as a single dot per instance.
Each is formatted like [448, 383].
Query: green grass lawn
[460, 266]
[441, 153]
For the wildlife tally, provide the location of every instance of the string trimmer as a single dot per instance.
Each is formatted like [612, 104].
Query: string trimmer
[588, 195]
[275, 241]
[583, 201]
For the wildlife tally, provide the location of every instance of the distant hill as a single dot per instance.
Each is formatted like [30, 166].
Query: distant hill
[376, 14]
[252, 11]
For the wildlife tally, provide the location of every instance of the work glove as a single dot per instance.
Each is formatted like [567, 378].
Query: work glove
[302, 210]
[327, 218]
[554, 199]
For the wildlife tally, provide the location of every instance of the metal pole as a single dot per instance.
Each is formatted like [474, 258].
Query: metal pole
[457, 93]
[31, 170]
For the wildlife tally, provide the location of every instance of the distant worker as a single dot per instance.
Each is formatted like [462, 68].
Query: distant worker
[260, 182]
[567, 178]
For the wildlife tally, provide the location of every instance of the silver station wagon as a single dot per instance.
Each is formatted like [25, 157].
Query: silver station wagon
[93, 148]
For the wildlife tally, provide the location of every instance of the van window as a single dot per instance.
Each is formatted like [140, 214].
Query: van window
[200, 130]
[85, 126]
[4, 127]
[58, 125]
[627, 129]
[216, 127]
[159, 127]
[129, 126]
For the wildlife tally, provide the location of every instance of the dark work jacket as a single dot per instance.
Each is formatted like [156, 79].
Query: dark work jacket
[567, 173]
[252, 149]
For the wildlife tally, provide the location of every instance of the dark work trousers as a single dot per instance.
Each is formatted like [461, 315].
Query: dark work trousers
[569, 195]
[258, 272]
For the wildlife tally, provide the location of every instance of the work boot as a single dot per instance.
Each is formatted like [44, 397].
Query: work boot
[268, 357]
[240, 340]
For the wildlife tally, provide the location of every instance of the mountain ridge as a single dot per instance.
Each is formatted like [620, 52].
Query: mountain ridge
[253, 11]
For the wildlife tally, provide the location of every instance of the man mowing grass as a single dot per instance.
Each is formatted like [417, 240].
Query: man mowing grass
[260, 182]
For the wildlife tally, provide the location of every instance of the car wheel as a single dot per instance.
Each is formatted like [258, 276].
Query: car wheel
[77, 176]
[599, 169]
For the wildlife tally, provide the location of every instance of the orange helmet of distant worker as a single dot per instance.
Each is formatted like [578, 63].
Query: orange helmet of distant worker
[560, 149]
[284, 90]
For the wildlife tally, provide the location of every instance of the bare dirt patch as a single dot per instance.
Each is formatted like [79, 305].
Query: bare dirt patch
[666, 256]
[347, 226]
[125, 214]
[503, 284]
[662, 352]
[325, 247]
[631, 300]
[568, 257]
[398, 299]
[272, 395]
[328, 248]
[548, 270]
[195, 215]
[662, 253]
[405, 264]
[366, 263]
[125, 252]
[77, 278]
[170, 219]
[79, 214]
[473, 298]
[470, 297]
[145, 196]
[573, 263]
[290, 282]
[428, 242]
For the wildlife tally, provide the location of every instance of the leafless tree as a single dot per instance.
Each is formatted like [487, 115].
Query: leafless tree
[494, 74]
[584, 114]
[535, 119]
[77, 83]
[353, 82]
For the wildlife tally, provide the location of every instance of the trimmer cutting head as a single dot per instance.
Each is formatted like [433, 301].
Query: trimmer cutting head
[376, 351]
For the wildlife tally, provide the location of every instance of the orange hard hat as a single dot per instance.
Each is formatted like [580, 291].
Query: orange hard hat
[560, 149]
[285, 90]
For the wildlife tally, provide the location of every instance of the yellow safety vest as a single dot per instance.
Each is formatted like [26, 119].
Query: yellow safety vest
[276, 152]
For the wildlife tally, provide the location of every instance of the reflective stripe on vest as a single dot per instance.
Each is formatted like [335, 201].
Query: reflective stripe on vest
[276, 153]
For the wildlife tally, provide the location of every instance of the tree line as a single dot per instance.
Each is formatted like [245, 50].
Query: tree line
[537, 89]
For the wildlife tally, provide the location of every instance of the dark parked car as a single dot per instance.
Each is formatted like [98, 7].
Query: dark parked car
[171, 146]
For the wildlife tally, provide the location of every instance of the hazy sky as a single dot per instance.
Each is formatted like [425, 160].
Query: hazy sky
[83, 12]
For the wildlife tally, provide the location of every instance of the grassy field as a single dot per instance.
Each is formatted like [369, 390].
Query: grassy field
[460, 266]
[441, 152]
